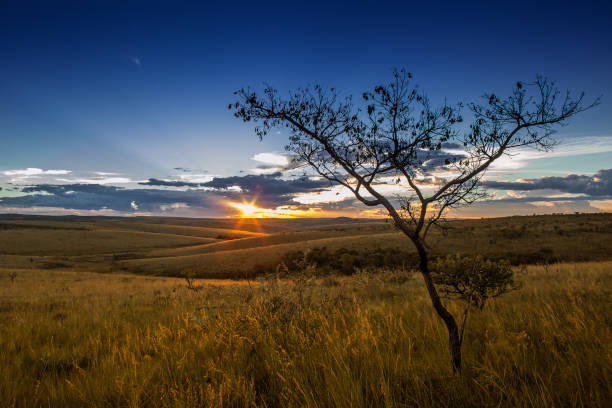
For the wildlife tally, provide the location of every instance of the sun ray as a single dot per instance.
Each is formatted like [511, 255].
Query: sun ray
[251, 210]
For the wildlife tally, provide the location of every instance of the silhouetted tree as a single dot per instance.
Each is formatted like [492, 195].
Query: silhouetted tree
[396, 134]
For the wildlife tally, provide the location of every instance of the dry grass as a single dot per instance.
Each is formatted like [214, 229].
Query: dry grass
[48, 242]
[230, 247]
[520, 239]
[81, 339]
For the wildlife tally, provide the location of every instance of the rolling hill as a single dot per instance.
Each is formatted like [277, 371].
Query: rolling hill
[223, 248]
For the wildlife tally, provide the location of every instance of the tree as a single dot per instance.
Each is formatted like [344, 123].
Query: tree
[473, 280]
[396, 134]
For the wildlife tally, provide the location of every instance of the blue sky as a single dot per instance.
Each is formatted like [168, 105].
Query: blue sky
[114, 94]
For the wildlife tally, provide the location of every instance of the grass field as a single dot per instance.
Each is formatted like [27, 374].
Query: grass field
[220, 248]
[73, 336]
[85, 339]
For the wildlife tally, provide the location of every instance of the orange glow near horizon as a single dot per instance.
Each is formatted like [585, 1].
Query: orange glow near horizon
[250, 210]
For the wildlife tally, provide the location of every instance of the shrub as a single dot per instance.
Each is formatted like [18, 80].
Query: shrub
[473, 279]
[345, 260]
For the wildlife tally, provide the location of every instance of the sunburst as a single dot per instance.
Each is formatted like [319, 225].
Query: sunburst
[250, 210]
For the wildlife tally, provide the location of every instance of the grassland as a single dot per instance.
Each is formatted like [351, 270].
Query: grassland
[79, 328]
[74, 338]
[221, 248]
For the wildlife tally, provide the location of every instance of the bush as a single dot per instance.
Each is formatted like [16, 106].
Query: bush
[346, 261]
[473, 279]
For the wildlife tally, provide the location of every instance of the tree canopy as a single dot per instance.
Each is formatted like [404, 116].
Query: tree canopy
[396, 134]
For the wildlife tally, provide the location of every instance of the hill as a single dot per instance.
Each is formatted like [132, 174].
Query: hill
[225, 248]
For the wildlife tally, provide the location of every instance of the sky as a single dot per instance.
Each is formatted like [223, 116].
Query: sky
[121, 108]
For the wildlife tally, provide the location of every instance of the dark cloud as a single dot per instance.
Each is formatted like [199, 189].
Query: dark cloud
[452, 145]
[438, 159]
[188, 170]
[158, 182]
[268, 184]
[598, 185]
[258, 184]
[269, 191]
[95, 197]
[271, 166]
[537, 199]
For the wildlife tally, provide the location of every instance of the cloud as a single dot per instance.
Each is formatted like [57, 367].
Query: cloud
[211, 196]
[96, 196]
[599, 184]
[27, 176]
[250, 184]
[173, 206]
[31, 172]
[267, 184]
[166, 183]
[104, 173]
[521, 158]
[97, 180]
[272, 162]
[64, 211]
[567, 194]
[575, 146]
[135, 61]
[201, 177]
[435, 161]
[269, 191]
[275, 159]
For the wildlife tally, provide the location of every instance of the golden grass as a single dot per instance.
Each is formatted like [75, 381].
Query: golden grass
[281, 238]
[71, 338]
[230, 247]
[219, 260]
[205, 232]
[81, 242]
[582, 237]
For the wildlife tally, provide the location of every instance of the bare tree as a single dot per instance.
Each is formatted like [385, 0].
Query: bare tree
[396, 134]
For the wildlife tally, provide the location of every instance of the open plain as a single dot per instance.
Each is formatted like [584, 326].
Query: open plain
[97, 312]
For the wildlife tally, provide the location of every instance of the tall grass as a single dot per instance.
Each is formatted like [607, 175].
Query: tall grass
[371, 340]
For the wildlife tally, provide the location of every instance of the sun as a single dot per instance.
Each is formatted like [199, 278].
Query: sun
[250, 210]
[247, 210]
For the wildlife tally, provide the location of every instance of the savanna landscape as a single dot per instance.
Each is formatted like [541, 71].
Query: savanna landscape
[99, 311]
[321, 204]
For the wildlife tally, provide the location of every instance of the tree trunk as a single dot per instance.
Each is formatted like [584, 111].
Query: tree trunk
[454, 340]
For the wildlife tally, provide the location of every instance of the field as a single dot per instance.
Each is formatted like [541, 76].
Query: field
[87, 320]
[222, 248]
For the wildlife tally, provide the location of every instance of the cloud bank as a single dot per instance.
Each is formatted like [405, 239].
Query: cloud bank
[210, 196]
[599, 184]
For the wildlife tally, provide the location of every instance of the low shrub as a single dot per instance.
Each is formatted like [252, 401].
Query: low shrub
[347, 261]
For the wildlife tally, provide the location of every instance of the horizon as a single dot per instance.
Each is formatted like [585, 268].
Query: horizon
[122, 111]
[241, 218]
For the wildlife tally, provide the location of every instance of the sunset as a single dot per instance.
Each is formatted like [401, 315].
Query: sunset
[250, 210]
[133, 108]
[305, 204]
